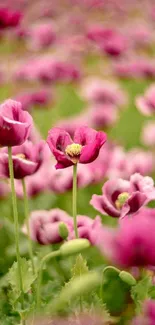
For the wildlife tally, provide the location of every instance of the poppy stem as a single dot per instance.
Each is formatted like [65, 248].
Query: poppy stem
[75, 199]
[42, 263]
[26, 209]
[16, 225]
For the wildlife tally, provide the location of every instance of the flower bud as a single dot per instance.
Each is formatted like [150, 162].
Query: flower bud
[63, 230]
[127, 278]
[74, 246]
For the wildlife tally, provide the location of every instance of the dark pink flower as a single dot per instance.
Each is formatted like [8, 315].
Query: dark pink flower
[27, 159]
[121, 197]
[44, 225]
[84, 148]
[15, 124]
[9, 18]
[146, 103]
[36, 183]
[132, 243]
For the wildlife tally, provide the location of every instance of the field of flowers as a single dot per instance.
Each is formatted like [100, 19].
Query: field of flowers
[77, 162]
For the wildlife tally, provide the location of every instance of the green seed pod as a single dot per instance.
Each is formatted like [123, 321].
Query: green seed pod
[74, 246]
[63, 230]
[127, 277]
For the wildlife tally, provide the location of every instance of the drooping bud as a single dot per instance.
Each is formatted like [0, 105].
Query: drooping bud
[122, 198]
[74, 246]
[73, 151]
[127, 278]
[63, 230]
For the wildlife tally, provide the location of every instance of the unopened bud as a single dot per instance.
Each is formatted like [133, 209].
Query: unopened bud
[127, 278]
[63, 230]
[74, 246]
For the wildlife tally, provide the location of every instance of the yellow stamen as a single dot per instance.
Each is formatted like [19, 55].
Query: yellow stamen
[21, 155]
[122, 198]
[73, 151]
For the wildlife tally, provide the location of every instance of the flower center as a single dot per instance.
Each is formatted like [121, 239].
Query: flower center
[73, 151]
[122, 198]
[21, 155]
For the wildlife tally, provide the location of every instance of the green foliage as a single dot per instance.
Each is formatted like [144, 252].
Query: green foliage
[80, 267]
[140, 292]
[112, 284]
[13, 279]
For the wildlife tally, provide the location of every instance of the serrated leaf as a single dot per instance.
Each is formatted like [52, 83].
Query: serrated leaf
[27, 276]
[141, 291]
[80, 267]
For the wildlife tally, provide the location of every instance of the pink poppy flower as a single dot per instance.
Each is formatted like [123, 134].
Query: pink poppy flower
[146, 103]
[139, 161]
[100, 91]
[61, 181]
[27, 159]
[83, 149]
[121, 197]
[148, 134]
[44, 225]
[15, 124]
[102, 115]
[36, 98]
[132, 243]
[86, 228]
[41, 35]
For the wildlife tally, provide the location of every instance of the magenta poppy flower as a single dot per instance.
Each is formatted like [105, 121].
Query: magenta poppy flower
[121, 197]
[84, 148]
[27, 159]
[15, 124]
[146, 103]
[134, 242]
[44, 225]
[9, 18]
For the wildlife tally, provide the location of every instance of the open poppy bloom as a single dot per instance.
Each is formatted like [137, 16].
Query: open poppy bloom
[84, 148]
[121, 197]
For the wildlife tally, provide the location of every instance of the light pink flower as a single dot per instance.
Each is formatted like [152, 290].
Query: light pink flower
[121, 197]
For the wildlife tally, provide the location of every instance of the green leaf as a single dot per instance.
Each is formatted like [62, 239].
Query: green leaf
[27, 276]
[112, 284]
[140, 292]
[80, 267]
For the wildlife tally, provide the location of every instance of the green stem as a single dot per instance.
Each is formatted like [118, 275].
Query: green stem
[75, 199]
[44, 260]
[16, 225]
[26, 209]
